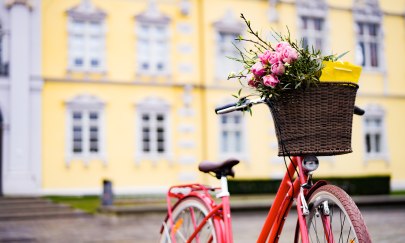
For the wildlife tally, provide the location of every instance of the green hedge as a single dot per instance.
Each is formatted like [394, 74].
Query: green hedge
[367, 185]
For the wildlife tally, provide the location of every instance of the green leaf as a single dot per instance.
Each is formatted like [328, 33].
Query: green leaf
[341, 55]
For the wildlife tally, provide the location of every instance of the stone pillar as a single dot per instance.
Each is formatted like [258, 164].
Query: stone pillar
[20, 169]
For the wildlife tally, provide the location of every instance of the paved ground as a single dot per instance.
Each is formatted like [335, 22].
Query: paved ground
[385, 225]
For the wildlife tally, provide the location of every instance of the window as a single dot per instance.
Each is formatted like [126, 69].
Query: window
[86, 38]
[86, 45]
[231, 134]
[227, 29]
[368, 44]
[153, 136]
[86, 138]
[312, 32]
[153, 48]
[368, 17]
[312, 23]
[374, 133]
[152, 30]
[226, 49]
[4, 64]
[153, 132]
[85, 126]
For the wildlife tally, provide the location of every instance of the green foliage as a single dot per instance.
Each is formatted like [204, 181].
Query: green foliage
[299, 74]
[380, 185]
[88, 204]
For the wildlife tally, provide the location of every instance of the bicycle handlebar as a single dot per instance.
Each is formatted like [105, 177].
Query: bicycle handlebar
[242, 105]
[245, 103]
[358, 111]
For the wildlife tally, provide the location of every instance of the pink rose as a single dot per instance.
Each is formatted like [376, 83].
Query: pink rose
[277, 68]
[251, 80]
[270, 80]
[274, 57]
[258, 69]
[264, 57]
[289, 55]
[282, 45]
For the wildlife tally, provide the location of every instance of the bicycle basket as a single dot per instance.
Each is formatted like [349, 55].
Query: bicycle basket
[316, 120]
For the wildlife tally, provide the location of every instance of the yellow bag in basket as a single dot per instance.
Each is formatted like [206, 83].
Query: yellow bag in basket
[340, 71]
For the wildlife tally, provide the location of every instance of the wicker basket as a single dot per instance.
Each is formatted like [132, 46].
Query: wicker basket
[316, 121]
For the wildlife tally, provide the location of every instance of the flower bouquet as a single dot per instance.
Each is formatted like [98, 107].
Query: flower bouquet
[310, 117]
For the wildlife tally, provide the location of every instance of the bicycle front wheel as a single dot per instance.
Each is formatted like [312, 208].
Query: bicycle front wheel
[334, 217]
[187, 215]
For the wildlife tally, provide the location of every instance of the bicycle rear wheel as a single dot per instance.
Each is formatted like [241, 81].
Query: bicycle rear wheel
[334, 215]
[187, 215]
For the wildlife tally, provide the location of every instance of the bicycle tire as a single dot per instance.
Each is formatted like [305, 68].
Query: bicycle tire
[182, 221]
[345, 218]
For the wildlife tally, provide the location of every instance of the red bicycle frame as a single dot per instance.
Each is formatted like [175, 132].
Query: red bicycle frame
[290, 189]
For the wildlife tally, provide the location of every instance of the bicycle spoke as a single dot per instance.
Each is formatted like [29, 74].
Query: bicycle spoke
[316, 230]
[341, 226]
[341, 223]
[348, 235]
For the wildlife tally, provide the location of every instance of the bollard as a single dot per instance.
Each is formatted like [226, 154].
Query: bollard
[107, 197]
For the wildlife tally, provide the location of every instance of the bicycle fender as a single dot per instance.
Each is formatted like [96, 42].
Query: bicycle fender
[314, 187]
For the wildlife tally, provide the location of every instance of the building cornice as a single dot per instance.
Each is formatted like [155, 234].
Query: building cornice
[398, 13]
[229, 23]
[86, 11]
[152, 15]
[10, 3]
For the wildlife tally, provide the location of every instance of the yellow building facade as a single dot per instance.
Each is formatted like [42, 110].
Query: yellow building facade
[130, 87]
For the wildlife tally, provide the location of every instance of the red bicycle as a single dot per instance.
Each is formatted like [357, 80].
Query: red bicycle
[326, 213]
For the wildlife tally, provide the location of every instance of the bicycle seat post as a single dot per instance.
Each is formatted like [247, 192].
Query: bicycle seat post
[224, 187]
[226, 211]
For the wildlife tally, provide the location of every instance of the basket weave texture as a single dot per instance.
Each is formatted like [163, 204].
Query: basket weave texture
[314, 121]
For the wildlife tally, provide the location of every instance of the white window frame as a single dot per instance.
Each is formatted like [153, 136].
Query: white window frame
[367, 39]
[158, 39]
[85, 104]
[232, 128]
[313, 10]
[88, 53]
[375, 112]
[312, 34]
[228, 25]
[369, 12]
[225, 50]
[153, 106]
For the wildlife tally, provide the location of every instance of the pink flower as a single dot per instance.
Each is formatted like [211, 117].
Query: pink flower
[282, 45]
[274, 57]
[270, 80]
[251, 80]
[264, 57]
[277, 68]
[289, 55]
[258, 69]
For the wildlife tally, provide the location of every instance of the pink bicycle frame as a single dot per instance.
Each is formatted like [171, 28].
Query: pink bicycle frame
[282, 203]
[220, 214]
[289, 189]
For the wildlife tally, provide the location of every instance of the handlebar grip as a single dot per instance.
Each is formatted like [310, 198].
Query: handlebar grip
[225, 107]
[358, 111]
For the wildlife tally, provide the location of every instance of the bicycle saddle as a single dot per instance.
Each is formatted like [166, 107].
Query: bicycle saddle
[220, 168]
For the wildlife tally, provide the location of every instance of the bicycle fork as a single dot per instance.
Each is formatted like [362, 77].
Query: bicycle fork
[303, 209]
